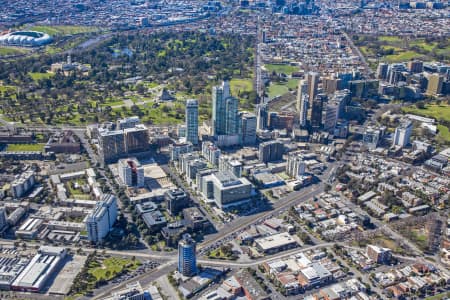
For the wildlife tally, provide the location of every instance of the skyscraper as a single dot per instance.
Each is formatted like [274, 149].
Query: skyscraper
[187, 262]
[232, 116]
[313, 82]
[434, 86]
[302, 102]
[302, 90]
[225, 118]
[316, 111]
[219, 96]
[192, 121]
[262, 116]
[382, 70]
[247, 128]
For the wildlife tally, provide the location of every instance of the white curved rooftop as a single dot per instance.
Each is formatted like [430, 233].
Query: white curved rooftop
[26, 38]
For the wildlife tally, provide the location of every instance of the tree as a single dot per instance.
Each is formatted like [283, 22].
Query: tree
[420, 104]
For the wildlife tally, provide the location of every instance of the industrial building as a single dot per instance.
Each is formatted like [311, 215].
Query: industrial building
[40, 268]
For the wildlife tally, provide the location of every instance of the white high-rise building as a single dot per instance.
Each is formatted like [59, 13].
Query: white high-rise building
[402, 134]
[302, 90]
[211, 152]
[101, 220]
[131, 172]
[296, 165]
[192, 121]
[330, 115]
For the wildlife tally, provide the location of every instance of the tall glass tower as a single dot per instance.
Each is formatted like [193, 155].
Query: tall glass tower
[187, 262]
[192, 121]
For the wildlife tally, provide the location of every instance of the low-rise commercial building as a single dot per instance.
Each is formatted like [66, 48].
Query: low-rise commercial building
[275, 243]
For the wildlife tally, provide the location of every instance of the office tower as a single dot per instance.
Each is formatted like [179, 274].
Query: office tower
[271, 151]
[112, 144]
[395, 73]
[225, 118]
[131, 138]
[131, 172]
[302, 90]
[402, 134]
[434, 86]
[316, 111]
[415, 66]
[262, 116]
[313, 83]
[247, 128]
[187, 262]
[331, 85]
[229, 164]
[3, 218]
[176, 200]
[136, 139]
[101, 220]
[192, 121]
[371, 137]
[211, 152]
[130, 122]
[296, 165]
[302, 102]
[219, 97]
[232, 116]
[382, 70]
[225, 188]
[281, 120]
[303, 110]
[330, 115]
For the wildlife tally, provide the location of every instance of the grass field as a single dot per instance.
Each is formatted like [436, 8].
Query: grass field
[404, 48]
[25, 147]
[387, 38]
[40, 76]
[63, 30]
[292, 84]
[276, 90]
[444, 134]
[110, 267]
[401, 56]
[5, 51]
[240, 85]
[439, 112]
[286, 69]
[441, 296]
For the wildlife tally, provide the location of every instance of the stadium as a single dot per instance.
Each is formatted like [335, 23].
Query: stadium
[25, 39]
